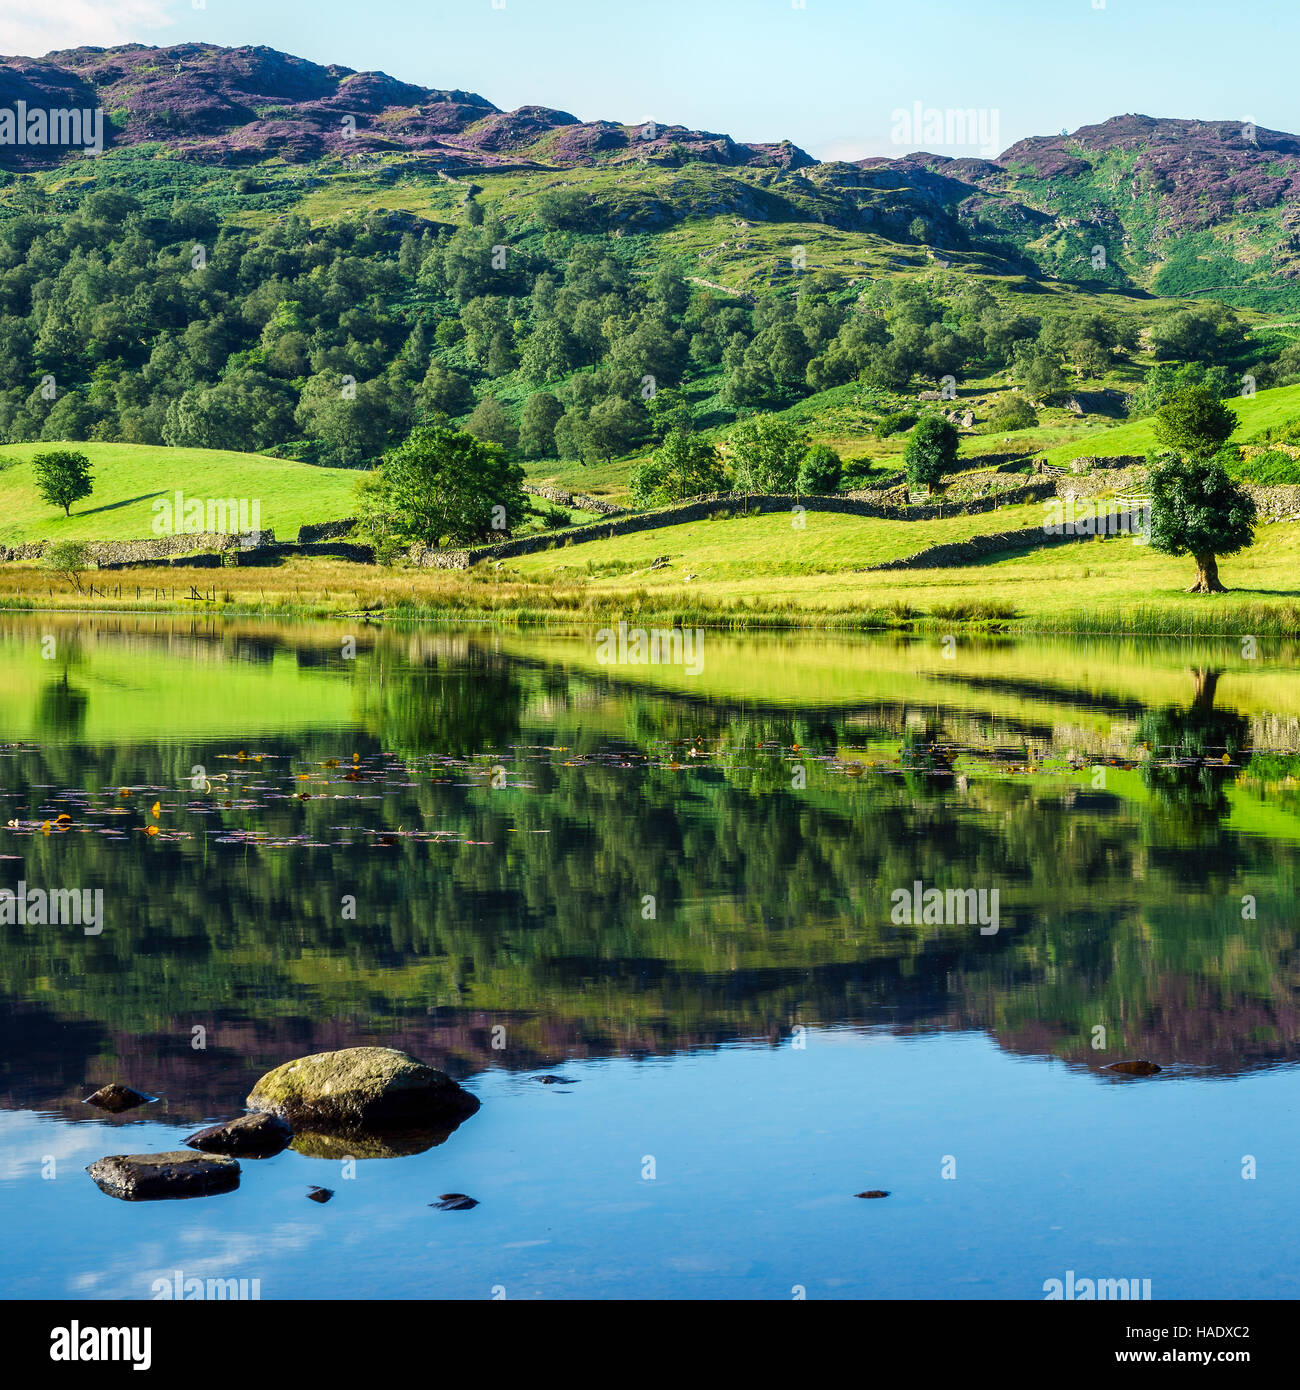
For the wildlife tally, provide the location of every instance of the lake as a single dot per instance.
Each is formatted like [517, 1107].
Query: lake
[791, 917]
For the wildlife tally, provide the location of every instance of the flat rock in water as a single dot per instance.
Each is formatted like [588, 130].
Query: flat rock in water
[116, 1098]
[259, 1135]
[176, 1174]
[361, 1088]
[1140, 1067]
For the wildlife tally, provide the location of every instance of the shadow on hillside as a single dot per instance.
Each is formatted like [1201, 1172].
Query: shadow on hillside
[125, 502]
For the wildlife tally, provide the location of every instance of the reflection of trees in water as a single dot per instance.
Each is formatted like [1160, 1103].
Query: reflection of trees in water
[926, 762]
[1186, 774]
[457, 708]
[61, 710]
[772, 901]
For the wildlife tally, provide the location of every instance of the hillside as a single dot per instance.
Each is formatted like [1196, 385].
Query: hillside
[129, 478]
[1180, 206]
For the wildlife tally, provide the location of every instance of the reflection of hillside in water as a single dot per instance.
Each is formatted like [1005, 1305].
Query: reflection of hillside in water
[1121, 901]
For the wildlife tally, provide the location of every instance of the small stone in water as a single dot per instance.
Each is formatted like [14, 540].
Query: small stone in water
[116, 1098]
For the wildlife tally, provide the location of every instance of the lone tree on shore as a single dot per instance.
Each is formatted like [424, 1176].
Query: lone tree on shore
[931, 451]
[1197, 510]
[62, 477]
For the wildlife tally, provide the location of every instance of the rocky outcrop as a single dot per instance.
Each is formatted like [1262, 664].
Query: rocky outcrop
[138, 1177]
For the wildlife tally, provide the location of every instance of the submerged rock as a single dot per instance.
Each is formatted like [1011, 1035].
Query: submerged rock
[875, 1192]
[319, 1194]
[176, 1174]
[362, 1088]
[454, 1201]
[116, 1098]
[259, 1135]
[1140, 1067]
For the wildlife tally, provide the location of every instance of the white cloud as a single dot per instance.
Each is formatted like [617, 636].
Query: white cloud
[34, 30]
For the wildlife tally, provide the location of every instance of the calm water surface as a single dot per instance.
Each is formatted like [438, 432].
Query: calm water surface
[679, 892]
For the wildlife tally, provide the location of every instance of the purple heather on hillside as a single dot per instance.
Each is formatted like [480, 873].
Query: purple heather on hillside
[241, 105]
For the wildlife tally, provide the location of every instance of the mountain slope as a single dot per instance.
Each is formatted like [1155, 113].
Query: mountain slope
[1177, 207]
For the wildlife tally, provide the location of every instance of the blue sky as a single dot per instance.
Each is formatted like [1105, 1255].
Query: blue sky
[828, 74]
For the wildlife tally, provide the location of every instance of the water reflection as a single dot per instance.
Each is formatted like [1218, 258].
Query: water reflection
[603, 866]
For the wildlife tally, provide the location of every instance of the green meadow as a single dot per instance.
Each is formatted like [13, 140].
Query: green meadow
[129, 478]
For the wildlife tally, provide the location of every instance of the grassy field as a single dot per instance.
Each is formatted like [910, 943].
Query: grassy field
[738, 571]
[760, 548]
[129, 477]
[1093, 586]
[1256, 413]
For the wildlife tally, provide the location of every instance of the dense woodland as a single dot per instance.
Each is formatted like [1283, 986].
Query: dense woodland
[328, 343]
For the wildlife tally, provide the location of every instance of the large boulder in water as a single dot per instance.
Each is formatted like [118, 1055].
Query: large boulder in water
[362, 1088]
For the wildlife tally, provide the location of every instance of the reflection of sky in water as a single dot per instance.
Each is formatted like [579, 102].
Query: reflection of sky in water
[758, 1153]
